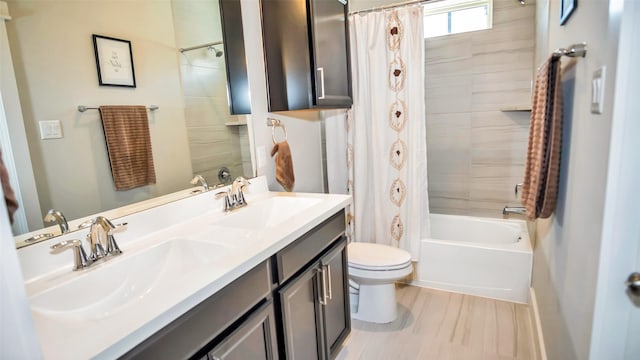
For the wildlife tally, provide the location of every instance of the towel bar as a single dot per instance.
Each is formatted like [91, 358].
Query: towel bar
[575, 50]
[82, 108]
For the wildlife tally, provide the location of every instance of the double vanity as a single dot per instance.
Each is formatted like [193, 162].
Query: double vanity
[268, 280]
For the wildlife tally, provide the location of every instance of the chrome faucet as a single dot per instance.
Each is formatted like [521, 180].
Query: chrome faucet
[56, 216]
[100, 237]
[199, 179]
[236, 191]
[234, 197]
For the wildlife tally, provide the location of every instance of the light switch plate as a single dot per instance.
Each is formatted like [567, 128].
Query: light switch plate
[597, 91]
[50, 129]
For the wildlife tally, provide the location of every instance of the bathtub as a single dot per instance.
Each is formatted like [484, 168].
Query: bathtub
[477, 256]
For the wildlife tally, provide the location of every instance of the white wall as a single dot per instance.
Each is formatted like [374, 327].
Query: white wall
[567, 247]
[55, 68]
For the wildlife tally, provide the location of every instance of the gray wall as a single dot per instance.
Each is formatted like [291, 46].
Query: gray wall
[476, 152]
[567, 248]
[56, 71]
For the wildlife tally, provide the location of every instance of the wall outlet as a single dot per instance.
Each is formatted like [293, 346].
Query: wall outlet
[50, 129]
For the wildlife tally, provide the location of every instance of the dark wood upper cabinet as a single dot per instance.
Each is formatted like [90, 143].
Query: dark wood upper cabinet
[235, 58]
[306, 45]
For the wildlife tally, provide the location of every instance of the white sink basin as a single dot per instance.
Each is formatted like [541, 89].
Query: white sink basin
[104, 290]
[267, 213]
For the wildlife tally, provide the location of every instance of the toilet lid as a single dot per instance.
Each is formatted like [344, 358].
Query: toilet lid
[369, 256]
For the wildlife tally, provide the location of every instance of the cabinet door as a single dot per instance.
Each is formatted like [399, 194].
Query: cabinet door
[337, 316]
[234, 57]
[330, 38]
[301, 316]
[254, 339]
[285, 33]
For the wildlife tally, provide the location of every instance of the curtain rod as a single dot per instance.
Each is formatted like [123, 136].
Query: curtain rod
[390, 6]
[400, 4]
[200, 46]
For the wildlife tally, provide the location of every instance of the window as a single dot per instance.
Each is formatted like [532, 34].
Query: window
[456, 16]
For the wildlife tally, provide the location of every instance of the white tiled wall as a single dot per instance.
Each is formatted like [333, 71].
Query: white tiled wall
[476, 153]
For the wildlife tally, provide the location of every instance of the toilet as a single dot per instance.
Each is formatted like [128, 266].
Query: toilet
[373, 271]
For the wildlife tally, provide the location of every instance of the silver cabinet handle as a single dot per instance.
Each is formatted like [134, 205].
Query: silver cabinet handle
[321, 71]
[329, 276]
[322, 293]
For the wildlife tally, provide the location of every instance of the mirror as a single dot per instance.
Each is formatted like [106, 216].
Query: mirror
[192, 131]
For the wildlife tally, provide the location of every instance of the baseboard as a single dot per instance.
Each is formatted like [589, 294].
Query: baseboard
[534, 317]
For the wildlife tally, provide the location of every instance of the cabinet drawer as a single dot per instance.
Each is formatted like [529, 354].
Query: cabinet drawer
[192, 331]
[294, 257]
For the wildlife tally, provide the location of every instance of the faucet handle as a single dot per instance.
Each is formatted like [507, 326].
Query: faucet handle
[118, 228]
[80, 260]
[226, 194]
[112, 245]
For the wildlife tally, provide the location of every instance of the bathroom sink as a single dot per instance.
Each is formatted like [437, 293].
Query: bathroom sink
[115, 284]
[267, 213]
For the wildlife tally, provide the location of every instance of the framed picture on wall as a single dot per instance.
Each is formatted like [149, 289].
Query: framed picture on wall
[566, 8]
[114, 61]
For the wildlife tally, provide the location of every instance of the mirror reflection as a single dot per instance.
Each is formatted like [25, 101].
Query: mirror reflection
[55, 67]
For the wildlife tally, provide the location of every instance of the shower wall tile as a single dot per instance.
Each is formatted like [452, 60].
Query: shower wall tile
[476, 153]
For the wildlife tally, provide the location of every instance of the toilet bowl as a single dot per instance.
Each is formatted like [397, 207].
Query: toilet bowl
[373, 271]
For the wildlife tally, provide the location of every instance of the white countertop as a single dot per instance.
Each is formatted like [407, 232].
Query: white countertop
[82, 334]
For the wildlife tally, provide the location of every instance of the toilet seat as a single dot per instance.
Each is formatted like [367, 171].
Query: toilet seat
[376, 257]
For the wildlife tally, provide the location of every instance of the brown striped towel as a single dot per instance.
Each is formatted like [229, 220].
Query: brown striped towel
[540, 185]
[284, 165]
[126, 130]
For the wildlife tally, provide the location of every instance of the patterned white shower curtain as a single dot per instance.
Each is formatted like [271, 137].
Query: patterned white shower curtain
[387, 151]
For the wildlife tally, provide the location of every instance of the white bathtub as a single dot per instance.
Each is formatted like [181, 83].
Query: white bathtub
[477, 256]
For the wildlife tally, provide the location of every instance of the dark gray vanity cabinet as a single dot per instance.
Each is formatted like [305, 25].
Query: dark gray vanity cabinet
[306, 44]
[295, 305]
[314, 302]
[254, 339]
[208, 324]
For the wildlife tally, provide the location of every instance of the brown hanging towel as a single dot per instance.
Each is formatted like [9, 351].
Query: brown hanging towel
[284, 165]
[542, 170]
[126, 130]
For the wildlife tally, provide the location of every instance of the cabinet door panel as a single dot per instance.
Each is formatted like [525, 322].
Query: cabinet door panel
[301, 314]
[286, 43]
[337, 317]
[330, 46]
[255, 339]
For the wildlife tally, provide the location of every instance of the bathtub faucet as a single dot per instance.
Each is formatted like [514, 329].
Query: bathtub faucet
[519, 210]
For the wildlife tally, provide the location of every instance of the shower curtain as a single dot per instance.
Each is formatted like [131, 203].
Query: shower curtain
[387, 150]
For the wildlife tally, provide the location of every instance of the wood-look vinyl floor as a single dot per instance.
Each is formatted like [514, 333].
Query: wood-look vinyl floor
[434, 324]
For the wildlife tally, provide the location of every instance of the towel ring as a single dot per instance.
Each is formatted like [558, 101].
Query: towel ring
[273, 132]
